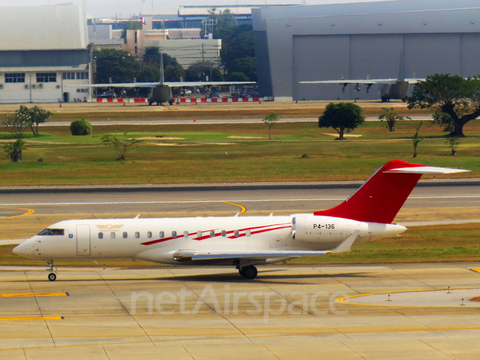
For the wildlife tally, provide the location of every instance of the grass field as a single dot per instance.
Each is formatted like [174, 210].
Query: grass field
[230, 153]
[417, 245]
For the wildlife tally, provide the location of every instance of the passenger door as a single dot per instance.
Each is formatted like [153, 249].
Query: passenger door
[83, 240]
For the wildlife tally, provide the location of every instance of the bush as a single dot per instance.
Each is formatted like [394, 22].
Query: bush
[81, 127]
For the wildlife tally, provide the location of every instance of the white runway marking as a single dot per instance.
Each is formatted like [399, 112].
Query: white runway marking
[220, 200]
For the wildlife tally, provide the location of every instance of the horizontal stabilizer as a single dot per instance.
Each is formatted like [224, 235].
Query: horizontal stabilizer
[423, 170]
[347, 244]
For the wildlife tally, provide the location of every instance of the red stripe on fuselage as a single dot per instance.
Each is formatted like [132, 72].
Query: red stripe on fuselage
[278, 227]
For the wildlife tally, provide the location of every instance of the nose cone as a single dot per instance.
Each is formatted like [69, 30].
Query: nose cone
[23, 250]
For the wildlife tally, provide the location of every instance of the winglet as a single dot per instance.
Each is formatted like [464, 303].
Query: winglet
[347, 243]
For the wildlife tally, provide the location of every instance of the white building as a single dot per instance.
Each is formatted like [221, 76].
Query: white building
[43, 49]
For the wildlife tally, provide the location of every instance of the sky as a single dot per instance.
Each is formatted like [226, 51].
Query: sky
[127, 8]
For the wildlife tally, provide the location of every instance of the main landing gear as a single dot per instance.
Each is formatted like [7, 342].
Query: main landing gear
[249, 272]
[52, 276]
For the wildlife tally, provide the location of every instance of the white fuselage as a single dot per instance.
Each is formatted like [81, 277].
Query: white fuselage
[158, 239]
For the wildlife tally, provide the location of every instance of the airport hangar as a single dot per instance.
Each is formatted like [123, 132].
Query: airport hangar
[326, 42]
[42, 50]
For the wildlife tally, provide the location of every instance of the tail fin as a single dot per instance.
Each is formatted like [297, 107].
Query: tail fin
[380, 198]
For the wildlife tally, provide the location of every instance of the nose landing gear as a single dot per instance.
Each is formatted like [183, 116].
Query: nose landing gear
[52, 276]
[249, 272]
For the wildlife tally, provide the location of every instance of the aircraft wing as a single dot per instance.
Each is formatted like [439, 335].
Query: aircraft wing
[207, 83]
[256, 255]
[358, 81]
[171, 84]
[344, 246]
[363, 81]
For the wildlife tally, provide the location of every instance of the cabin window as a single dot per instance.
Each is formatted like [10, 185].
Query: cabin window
[112, 235]
[149, 234]
[224, 233]
[185, 234]
[174, 234]
[248, 232]
[137, 235]
[212, 233]
[57, 232]
[125, 235]
[100, 235]
[199, 233]
[162, 234]
[237, 233]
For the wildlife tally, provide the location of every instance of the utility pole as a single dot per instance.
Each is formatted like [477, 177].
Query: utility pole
[203, 60]
[162, 77]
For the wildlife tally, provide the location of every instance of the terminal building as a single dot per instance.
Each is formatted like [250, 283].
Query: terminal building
[43, 49]
[361, 40]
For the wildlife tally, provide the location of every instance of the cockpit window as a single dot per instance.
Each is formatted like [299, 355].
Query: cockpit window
[52, 232]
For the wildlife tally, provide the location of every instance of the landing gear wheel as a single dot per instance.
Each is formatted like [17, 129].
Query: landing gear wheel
[52, 277]
[249, 272]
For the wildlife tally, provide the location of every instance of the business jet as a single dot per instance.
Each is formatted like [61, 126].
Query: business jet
[242, 242]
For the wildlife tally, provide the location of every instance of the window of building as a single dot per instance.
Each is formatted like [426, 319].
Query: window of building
[68, 76]
[82, 75]
[162, 234]
[137, 234]
[136, 40]
[46, 77]
[125, 235]
[149, 234]
[82, 90]
[100, 235]
[112, 235]
[15, 78]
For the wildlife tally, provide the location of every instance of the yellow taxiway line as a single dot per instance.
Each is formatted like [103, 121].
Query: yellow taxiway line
[25, 295]
[31, 318]
[345, 299]
[242, 208]
[28, 212]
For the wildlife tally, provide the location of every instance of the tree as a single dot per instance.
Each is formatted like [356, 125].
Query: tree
[443, 119]
[120, 144]
[449, 94]
[391, 117]
[173, 71]
[38, 116]
[416, 139]
[237, 43]
[16, 124]
[245, 65]
[115, 64]
[14, 150]
[237, 76]
[223, 18]
[270, 120]
[341, 116]
[80, 127]
[453, 142]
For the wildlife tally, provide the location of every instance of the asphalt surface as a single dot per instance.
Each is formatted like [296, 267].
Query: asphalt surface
[211, 198]
[205, 121]
[287, 312]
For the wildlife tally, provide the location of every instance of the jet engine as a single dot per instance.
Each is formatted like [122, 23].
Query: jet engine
[315, 229]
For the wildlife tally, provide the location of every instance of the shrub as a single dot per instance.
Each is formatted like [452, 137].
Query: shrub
[80, 127]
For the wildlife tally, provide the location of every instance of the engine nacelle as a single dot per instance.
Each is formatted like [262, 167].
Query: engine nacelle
[316, 229]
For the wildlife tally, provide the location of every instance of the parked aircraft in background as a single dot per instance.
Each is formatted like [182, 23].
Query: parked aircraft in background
[242, 242]
[161, 91]
[388, 88]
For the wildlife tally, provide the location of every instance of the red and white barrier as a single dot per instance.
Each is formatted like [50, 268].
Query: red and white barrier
[216, 100]
[181, 100]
